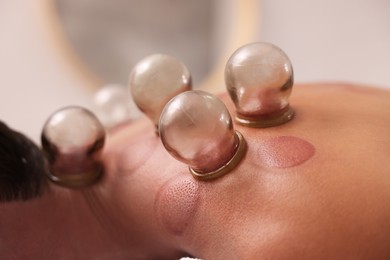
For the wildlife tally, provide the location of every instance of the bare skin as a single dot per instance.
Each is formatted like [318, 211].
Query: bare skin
[317, 187]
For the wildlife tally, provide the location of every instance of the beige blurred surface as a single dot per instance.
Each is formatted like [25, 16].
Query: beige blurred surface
[326, 40]
[345, 40]
[35, 78]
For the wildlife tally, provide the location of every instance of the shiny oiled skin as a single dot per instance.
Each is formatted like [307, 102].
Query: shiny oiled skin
[323, 194]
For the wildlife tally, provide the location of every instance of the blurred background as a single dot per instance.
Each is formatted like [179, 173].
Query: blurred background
[55, 53]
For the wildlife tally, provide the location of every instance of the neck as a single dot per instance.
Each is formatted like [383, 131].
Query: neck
[64, 223]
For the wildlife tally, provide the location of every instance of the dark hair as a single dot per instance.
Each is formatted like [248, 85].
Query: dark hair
[22, 166]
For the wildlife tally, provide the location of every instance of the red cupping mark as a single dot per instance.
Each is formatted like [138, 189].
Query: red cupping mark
[284, 151]
[176, 204]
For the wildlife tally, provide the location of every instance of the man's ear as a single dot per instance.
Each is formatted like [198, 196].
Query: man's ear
[22, 167]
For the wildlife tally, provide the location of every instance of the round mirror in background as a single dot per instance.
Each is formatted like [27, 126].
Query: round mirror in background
[110, 37]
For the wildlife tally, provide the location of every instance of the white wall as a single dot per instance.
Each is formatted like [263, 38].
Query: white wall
[345, 40]
[35, 80]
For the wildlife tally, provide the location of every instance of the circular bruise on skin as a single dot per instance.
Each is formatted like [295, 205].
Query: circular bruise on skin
[176, 204]
[284, 151]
